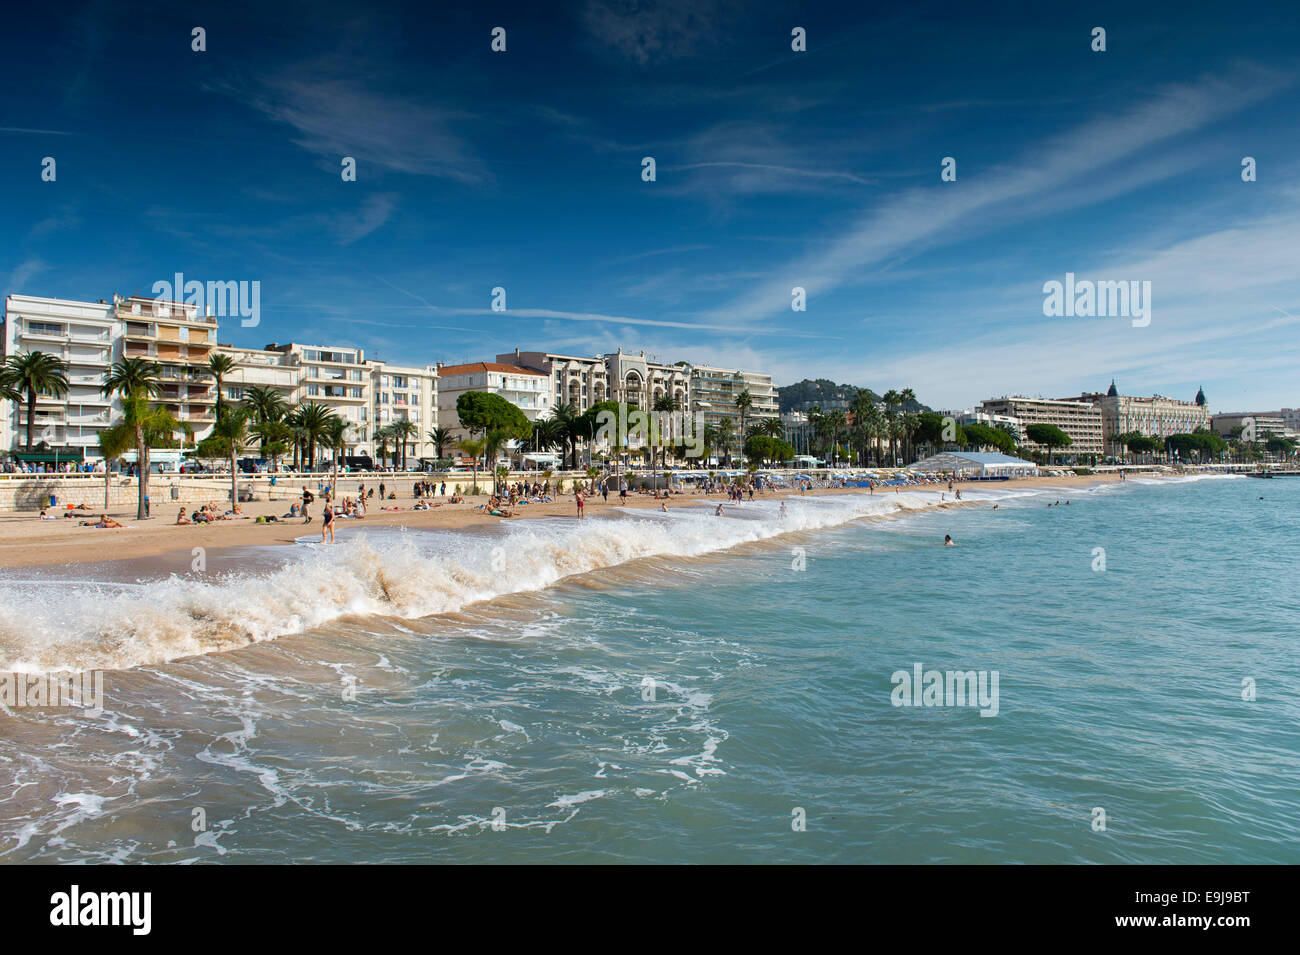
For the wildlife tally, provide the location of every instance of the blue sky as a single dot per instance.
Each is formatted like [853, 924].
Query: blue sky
[774, 169]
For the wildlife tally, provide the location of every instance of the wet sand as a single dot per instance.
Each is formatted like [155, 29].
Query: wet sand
[27, 541]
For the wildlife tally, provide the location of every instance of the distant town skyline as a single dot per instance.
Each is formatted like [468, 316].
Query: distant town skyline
[774, 169]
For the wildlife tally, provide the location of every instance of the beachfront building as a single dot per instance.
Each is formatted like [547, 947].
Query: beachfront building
[1154, 417]
[260, 368]
[1081, 420]
[798, 430]
[339, 378]
[180, 339]
[640, 379]
[86, 336]
[575, 381]
[526, 388]
[407, 393]
[1290, 417]
[976, 464]
[1009, 423]
[713, 394]
[1265, 423]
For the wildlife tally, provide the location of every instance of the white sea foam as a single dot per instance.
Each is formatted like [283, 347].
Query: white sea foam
[54, 624]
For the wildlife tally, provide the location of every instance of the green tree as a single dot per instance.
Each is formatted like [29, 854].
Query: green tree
[442, 438]
[231, 433]
[744, 404]
[31, 375]
[314, 420]
[473, 447]
[135, 381]
[219, 366]
[1049, 436]
[403, 428]
[980, 436]
[114, 441]
[336, 439]
[493, 441]
[265, 404]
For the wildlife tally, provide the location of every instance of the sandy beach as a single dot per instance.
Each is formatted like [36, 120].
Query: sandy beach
[27, 541]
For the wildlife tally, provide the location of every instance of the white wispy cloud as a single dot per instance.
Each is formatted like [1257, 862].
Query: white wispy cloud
[1042, 180]
[24, 272]
[374, 212]
[339, 117]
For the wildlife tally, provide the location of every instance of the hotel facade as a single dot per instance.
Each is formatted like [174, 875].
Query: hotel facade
[1081, 420]
[1154, 417]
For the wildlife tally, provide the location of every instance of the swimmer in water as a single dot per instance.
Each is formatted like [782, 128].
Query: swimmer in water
[718, 512]
[948, 541]
[783, 511]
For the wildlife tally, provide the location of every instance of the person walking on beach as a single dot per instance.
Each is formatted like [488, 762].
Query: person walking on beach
[622, 491]
[577, 497]
[306, 499]
[604, 490]
[327, 524]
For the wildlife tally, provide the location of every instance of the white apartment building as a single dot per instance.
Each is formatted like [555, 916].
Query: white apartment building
[86, 335]
[639, 379]
[989, 420]
[1265, 423]
[713, 393]
[525, 388]
[407, 393]
[575, 381]
[340, 379]
[260, 368]
[1081, 420]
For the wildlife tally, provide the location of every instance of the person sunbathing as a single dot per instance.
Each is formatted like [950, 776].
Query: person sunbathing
[106, 521]
[182, 519]
[47, 517]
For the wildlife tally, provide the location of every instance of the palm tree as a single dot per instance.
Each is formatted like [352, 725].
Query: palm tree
[744, 404]
[493, 440]
[441, 437]
[571, 423]
[712, 438]
[219, 366]
[473, 447]
[114, 441]
[403, 428]
[336, 439]
[136, 381]
[666, 404]
[232, 430]
[32, 375]
[383, 438]
[836, 422]
[314, 420]
[891, 399]
[725, 432]
[907, 401]
[265, 404]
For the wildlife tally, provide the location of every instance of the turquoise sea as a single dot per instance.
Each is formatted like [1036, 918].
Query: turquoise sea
[688, 688]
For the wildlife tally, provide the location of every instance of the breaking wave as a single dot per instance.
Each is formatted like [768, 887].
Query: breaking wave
[58, 624]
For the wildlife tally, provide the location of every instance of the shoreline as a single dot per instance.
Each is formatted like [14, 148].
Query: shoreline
[27, 541]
